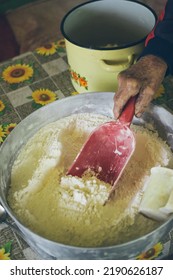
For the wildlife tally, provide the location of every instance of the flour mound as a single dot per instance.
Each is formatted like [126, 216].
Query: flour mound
[69, 209]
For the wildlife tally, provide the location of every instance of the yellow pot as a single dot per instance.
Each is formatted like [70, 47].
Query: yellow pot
[103, 38]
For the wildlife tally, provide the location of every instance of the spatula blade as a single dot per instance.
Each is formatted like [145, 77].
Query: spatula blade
[106, 152]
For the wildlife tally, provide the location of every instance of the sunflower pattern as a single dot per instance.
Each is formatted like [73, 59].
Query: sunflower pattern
[41, 97]
[51, 48]
[164, 94]
[61, 45]
[5, 251]
[9, 127]
[152, 253]
[2, 134]
[2, 107]
[4, 255]
[17, 73]
[47, 49]
[5, 130]
[159, 92]
[81, 81]
[74, 93]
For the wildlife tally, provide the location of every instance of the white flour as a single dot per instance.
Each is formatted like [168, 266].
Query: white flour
[69, 209]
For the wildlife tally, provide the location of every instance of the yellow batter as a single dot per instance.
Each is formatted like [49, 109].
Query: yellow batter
[70, 210]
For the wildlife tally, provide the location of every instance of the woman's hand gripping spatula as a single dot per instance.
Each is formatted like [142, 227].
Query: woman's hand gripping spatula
[108, 149]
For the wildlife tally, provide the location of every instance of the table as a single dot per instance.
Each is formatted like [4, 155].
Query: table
[33, 80]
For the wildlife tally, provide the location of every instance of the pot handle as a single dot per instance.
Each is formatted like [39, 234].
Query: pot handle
[117, 66]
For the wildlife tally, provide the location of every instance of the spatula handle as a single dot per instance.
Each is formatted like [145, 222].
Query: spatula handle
[128, 111]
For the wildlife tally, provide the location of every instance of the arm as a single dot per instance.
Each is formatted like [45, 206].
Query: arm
[145, 77]
[160, 41]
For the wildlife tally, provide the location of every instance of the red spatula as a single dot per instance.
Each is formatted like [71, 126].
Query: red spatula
[108, 149]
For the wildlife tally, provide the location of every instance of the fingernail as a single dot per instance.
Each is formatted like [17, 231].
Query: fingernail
[138, 115]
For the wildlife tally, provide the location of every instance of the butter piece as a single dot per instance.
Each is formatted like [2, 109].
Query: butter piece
[157, 201]
[168, 208]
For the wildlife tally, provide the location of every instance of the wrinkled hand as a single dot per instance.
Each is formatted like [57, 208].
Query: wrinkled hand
[142, 78]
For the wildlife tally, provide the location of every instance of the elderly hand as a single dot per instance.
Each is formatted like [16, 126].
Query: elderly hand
[142, 78]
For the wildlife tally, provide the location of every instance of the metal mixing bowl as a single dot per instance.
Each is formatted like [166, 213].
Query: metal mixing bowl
[101, 103]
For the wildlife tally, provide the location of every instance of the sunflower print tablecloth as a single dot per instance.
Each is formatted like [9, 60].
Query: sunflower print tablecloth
[33, 80]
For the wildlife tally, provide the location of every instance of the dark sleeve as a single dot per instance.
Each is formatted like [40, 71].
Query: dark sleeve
[160, 41]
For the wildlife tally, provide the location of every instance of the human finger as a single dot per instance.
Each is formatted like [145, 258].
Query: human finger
[144, 98]
[127, 88]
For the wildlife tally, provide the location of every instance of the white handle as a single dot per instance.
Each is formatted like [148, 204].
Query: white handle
[114, 65]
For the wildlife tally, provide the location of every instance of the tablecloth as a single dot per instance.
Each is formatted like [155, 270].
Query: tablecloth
[33, 80]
